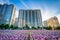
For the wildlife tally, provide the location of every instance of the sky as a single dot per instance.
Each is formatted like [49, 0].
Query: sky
[49, 8]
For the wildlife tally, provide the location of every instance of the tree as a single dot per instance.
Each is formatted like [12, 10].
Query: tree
[7, 26]
[23, 27]
[2, 26]
[15, 27]
[33, 27]
[48, 28]
[58, 28]
[27, 27]
[11, 27]
[39, 27]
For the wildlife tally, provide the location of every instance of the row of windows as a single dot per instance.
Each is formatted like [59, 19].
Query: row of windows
[6, 12]
[29, 16]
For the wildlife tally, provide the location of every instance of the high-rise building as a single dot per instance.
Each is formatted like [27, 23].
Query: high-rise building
[30, 17]
[53, 22]
[7, 14]
[45, 23]
[16, 22]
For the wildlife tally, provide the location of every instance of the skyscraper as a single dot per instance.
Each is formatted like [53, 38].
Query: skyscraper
[53, 22]
[7, 14]
[30, 17]
[16, 22]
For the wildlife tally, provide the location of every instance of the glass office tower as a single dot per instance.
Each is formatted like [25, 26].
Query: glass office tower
[30, 17]
[7, 13]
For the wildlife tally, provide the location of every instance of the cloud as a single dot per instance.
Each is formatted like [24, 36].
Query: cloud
[25, 5]
[7, 1]
[48, 13]
[4, 1]
[45, 11]
[1, 2]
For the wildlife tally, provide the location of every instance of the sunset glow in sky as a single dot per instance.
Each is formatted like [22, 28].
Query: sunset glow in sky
[49, 8]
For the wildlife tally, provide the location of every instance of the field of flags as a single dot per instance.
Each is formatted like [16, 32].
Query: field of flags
[29, 34]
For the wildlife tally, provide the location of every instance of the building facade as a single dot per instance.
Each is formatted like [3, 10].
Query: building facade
[7, 14]
[29, 17]
[53, 22]
[45, 24]
[16, 22]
